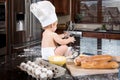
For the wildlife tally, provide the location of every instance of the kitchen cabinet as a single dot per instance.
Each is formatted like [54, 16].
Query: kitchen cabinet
[91, 34]
[62, 6]
[2, 0]
[19, 5]
[100, 35]
[112, 36]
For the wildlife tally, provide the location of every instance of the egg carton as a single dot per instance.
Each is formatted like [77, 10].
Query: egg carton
[57, 70]
[41, 69]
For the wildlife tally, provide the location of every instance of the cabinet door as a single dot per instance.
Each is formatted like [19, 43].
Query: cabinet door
[113, 36]
[19, 5]
[62, 6]
[89, 34]
[2, 0]
[94, 35]
[101, 35]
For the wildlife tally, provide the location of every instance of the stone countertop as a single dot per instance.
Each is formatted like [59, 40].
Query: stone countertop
[9, 71]
[94, 28]
[68, 76]
[100, 31]
[98, 77]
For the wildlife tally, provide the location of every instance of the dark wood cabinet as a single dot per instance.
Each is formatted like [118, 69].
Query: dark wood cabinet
[19, 6]
[2, 0]
[112, 36]
[62, 6]
[103, 35]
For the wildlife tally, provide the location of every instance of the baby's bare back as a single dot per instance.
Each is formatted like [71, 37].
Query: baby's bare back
[48, 39]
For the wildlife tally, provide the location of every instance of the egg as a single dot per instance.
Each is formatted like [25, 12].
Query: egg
[22, 65]
[43, 76]
[38, 59]
[33, 72]
[35, 66]
[26, 67]
[44, 69]
[40, 68]
[32, 64]
[37, 73]
[29, 70]
[49, 74]
[29, 62]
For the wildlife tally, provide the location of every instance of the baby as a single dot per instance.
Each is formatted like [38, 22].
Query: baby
[51, 39]
[45, 12]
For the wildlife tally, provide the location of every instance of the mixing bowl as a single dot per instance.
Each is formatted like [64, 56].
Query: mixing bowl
[58, 60]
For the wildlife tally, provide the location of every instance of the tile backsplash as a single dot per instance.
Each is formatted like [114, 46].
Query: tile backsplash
[88, 45]
[109, 46]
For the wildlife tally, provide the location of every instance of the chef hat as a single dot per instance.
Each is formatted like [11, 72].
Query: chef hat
[44, 12]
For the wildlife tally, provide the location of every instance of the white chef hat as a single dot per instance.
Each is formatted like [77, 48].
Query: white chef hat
[45, 12]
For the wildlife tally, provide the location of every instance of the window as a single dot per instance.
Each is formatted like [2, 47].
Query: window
[111, 11]
[98, 11]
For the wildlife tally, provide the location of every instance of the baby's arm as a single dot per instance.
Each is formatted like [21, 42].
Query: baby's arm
[61, 41]
[62, 35]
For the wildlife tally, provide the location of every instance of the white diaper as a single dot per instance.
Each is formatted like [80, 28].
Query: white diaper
[46, 52]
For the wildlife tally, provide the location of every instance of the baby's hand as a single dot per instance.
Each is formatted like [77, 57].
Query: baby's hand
[72, 39]
[67, 34]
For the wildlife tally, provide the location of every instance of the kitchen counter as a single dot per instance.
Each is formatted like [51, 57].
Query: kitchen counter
[102, 35]
[98, 34]
[101, 31]
[95, 28]
[99, 75]
[10, 71]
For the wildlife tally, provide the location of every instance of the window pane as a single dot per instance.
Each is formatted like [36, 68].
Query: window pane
[111, 10]
[88, 12]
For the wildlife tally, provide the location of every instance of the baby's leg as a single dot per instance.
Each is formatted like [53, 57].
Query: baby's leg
[61, 50]
[68, 52]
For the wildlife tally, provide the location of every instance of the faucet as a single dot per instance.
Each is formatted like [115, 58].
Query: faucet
[70, 25]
